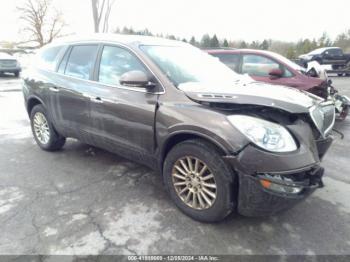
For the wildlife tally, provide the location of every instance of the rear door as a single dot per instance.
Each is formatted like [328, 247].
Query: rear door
[42, 78]
[123, 117]
[74, 82]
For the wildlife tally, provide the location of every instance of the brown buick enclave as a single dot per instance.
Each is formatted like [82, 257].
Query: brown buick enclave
[222, 141]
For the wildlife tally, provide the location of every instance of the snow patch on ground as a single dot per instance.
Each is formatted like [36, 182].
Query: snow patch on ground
[9, 198]
[90, 244]
[137, 226]
[50, 231]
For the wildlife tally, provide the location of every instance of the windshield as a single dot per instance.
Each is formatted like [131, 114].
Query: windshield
[317, 51]
[184, 64]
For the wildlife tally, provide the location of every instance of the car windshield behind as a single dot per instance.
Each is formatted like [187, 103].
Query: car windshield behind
[184, 64]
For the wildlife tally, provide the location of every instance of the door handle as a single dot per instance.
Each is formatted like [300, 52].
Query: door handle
[96, 100]
[54, 89]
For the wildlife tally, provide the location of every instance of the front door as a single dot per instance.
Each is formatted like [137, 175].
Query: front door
[259, 66]
[123, 117]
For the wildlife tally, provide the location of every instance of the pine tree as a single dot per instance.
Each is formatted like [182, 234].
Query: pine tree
[264, 45]
[214, 42]
[205, 42]
[225, 43]
[243, 44]
[193, 41]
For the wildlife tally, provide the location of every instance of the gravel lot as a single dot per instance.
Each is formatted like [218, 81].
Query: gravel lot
[83, 200]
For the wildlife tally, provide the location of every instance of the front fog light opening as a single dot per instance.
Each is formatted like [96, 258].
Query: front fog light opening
[279, 187]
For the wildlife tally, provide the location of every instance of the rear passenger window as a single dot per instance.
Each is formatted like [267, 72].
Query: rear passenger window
[231, 60]
[48, 58]
[81, 61]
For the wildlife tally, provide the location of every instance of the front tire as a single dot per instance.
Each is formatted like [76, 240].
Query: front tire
[44, 133]
[17, 74]
[199, 181]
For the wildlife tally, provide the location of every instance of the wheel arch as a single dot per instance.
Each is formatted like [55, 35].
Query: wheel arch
[179, 137]
[33, 101]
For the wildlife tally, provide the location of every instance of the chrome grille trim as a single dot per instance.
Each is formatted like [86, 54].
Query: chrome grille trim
[323, 117]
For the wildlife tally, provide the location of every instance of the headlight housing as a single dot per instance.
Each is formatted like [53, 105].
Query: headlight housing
[265, 134]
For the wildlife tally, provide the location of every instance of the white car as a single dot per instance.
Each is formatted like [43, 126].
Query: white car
[9, 64]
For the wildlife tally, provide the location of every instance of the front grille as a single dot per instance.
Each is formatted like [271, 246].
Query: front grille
[323, 116]
[8, 63]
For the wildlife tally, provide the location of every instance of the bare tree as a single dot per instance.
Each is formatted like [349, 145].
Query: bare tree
[101, 10]
[42, 22]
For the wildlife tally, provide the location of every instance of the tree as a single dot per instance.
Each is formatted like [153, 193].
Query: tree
[171, 37]
[42, 22]
[205, 41]
[193, 41]
[343, 41]
[214, 42]
[290, 53]
[101, 10]
[225, 43]
[264, 45]
[243, 44]
[255, 45]
[324, 40]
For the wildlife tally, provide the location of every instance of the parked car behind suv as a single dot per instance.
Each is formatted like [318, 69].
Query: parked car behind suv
[270, 67]
[222, 142]
[273, 68]
[9, 64]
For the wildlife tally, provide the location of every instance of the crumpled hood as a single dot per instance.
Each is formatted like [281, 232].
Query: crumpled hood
[252, 93]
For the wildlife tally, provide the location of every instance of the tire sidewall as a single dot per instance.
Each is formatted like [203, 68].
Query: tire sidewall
[223, 204]
[53, 135]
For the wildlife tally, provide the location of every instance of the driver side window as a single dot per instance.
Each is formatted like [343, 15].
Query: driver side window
[115, 61]
[257, 65]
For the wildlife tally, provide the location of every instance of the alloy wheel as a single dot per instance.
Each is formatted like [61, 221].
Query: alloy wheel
[41, 128]
[194, 182]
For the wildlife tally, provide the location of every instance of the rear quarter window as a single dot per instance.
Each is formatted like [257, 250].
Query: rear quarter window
[48, 58]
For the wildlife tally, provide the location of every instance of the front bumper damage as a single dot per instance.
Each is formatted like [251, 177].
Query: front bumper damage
[267, 194]
[270, 183]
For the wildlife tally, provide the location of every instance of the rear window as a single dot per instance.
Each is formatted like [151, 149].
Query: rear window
[231, 60]
[48, 58]
[81, 61]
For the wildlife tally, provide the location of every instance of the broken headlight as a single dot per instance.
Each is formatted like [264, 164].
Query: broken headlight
[267, 135]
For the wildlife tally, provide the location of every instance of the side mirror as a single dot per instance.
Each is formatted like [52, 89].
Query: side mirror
[276, 73]
[136, 78]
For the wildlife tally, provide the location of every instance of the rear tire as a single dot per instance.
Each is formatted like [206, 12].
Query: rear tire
[340, 74]
[201, 201]
[44, 133]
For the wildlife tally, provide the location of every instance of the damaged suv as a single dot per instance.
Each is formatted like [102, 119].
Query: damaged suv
[221, 141]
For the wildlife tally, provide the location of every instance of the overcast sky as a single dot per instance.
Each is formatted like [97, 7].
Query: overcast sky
[248, 20]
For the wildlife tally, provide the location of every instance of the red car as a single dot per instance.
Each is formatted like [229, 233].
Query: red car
[270, 67]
